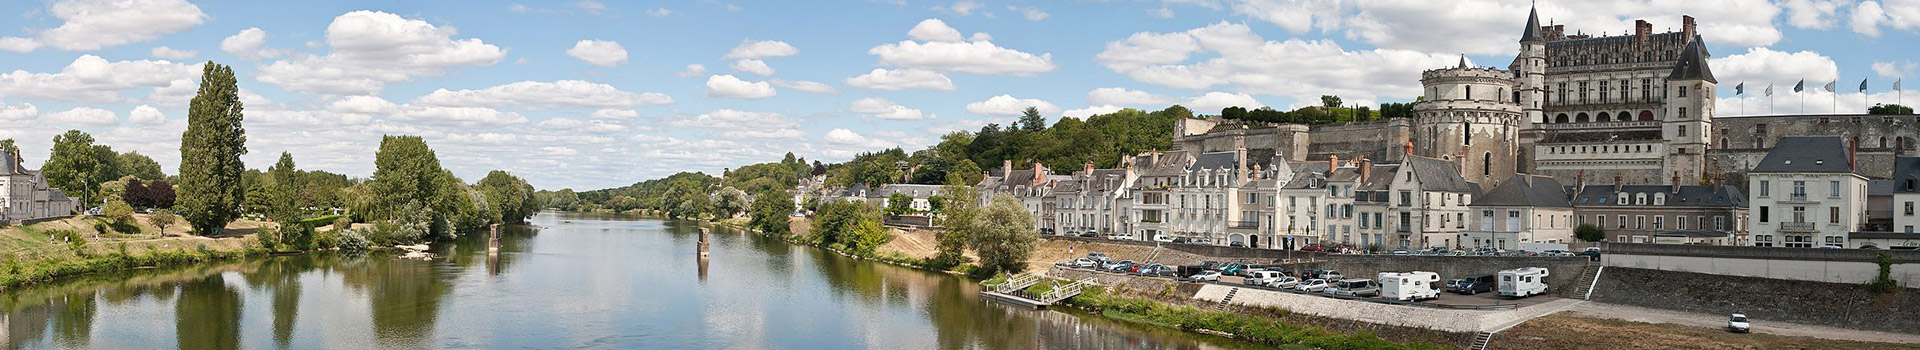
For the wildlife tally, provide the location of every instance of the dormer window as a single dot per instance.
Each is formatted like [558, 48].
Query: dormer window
[1659, 199]
[1622, 200]
[1639, 199]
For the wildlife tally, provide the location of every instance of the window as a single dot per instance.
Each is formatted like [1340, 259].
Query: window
[1764, 184]
[1909, 209]
[1763, 241]
[1680, 223]
[1640, 222]
[1683, 93]
[1799, 188]
[1833, 215]
[1600, 221]
[1622, 221]
[1683, 128]
[1683, 114]
[1657, 224]
[1720, 223]
[1799, 214]
[1763, 214]
[1486, 161]
[1833, 189]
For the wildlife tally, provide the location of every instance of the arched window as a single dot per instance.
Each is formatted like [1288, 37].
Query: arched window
[1644, 116]
[1486, 164]
[1639, 199]
[1582, 119]
[1622, 200]
[1466, 133]
[1581, 116]
[1562, 118]
[1883, 142]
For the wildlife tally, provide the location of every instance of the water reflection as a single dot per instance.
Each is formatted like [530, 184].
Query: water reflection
[578, 281]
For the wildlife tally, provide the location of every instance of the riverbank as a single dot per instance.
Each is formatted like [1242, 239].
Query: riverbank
[45, 251]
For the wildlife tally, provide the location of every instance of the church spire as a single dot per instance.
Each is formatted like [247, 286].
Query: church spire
[1463, 61]
[1533, 26]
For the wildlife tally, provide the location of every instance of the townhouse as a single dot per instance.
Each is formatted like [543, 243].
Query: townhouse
[1523, 209]
[1806, 193]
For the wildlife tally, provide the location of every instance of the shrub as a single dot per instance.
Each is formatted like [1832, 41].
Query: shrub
[353, 240]
[1884, 283]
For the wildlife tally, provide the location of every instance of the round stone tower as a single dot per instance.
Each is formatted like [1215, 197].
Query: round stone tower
[1469, 117]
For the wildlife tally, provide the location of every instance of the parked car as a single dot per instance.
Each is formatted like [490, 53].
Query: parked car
[1311, 285]
[1330, 275]
[1313, 248]
[1471, 285]
[1150, 269]
[1355, 287]
[1163, 238]
[1181, 240]
[1206, 276]
[1097, 256]
[1090, 235]
[1085, 263]
[1284, 282]
[1402, 252]
[1739, 324]
[1237, 245]
[1114, 264]
[1263, 277]
[1310, 273]
[1523, 282]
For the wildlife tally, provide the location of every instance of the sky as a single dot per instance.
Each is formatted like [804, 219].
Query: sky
[598, 94]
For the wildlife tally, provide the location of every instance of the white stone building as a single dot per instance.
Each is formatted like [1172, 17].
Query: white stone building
[1091, 202]
[1523, 209]
[1429, 204]
[1806, 194]
[26, 194]
[1906, 194]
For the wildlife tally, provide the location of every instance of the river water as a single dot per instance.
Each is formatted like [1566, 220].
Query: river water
[576, 281]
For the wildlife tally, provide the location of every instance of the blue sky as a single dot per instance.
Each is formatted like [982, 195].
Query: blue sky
[589, 95]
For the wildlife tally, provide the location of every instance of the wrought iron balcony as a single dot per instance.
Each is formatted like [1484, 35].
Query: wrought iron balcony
[1798, 227]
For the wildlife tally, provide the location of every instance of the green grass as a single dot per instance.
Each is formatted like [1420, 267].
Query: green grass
[1246, 327]
[13, 272]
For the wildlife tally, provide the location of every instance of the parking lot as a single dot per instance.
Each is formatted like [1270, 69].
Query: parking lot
[1445, 300]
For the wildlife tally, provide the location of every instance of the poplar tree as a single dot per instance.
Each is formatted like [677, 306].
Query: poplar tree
[285, 193]
[210, 190]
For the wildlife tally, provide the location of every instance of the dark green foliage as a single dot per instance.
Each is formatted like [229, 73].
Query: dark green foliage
[283, 202]
[1590, 233]
[210, 190]
[1002, 234]
[1396, 110]
[899, 204]
[1329, 101]
[769, 215]
[510, 195]
[850, 226]
[1884, 283]
[140, 166]
[1890, 110]
[413, 198]
[78, 166]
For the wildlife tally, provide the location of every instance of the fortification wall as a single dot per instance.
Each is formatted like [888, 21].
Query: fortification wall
[1380, 141]
[1847, 305]
[1740, 142]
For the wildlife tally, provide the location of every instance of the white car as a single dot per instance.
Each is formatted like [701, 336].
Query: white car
[1311, 285]
[1284, 282]
[1739, 324]
[1163, 238]
[1206, 276]
[1262, 277]
[1084, 263]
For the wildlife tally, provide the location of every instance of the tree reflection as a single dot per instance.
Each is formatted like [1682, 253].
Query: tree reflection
[207, 315]
[405, 297]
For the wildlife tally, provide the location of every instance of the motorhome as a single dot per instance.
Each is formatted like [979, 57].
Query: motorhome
[1523, 282]
[1411, 286]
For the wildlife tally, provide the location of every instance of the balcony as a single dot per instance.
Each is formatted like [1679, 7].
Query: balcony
[1244, 224]
[1800, 198]
[1798, 227]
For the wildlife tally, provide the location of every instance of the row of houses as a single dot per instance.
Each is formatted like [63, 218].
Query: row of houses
[1806, 193]
[25, 194]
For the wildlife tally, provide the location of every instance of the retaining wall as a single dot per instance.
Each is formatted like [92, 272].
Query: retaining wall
[1845, 305]
[1822, 265]
[1560, 278]
[1449, 320]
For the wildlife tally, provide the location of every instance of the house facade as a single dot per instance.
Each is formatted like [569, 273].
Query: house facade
[1906, 194]
[1806, 194]
[26, 194]
[1522, 209]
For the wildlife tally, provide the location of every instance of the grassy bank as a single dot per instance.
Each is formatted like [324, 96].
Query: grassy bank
[1233, 323]
[15, 273]
[45, 251]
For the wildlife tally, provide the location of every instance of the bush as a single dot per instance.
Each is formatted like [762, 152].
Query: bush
[1590, 233]
[342, 223]
[353, 240]
[1884, 283]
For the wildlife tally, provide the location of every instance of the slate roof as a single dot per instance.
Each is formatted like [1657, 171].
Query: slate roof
[1523, 190]
[1806, 154]
[1533, 27]
[1693, 63]
[1382, 177]
[1689, 196]
[1307, 175]
[1879, 188]
[1439, 175]
[1906, 175]
[1097, 180]
[10, 164]
[1216, 160]
[56, 195]
[916, 191]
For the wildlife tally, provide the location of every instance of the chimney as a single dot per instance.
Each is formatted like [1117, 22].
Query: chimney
[1641, 29]
[1619, 181]
[1089, 168]
[1851, 148]
[1333, 162]
[1240, 169]
[1039, 177]
[1366, 169]
[1686, 28]
[1006, 168]
[1676, 182]
[1408, 149]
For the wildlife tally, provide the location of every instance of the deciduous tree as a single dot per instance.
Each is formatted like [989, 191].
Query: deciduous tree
[210, 191]
[1003, 235]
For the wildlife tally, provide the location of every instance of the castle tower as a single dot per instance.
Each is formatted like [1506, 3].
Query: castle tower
[1689, 115]
[1469, 117]
[1530, 75]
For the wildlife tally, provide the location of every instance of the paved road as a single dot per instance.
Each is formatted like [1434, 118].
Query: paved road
[1640, 314]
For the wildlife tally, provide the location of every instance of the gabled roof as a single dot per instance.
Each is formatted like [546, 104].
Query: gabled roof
[1689, 196]
[1439, 175]
[1524, 190]
[1381, 179]
[1533, 27]
[1806, 154]
[1693, 63]
[10, 164]
[1906, 175]
[1216, 160]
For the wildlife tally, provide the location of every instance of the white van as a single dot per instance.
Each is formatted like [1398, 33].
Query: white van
[1263, 277]
[1523, 282]
[1410, 286]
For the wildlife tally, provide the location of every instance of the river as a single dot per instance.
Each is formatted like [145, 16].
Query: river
[577, 281]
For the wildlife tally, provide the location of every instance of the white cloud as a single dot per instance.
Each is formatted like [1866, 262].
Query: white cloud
[85, 116]
[1162, 12]
[590, 5]
[963, 7]
[1818, 14]
[660, 12]
[171, 53]
[372, 49]
[602, 53]
[1868, 16]
[761, 49]
[1435, 26]
[459, 116]
[18, 44]
[1242, 60]
[1007, 105]
[978, 56]
[1892, 70]
[250, 44]
[902, 79]
[543, 95]
[23, 113]
[727, 86]
[884, 109]
[559, 151]
[363, 105]
[1124, 97]
[91, 79]
[693, 70]
[1213, 102]
[96, 24]
[576, 125]
[615, 114]
[933, 29]
[1083, 113]
[807, 86]
[1759, 66]
[728, 119]
[146, 115]
[845, 137]
[1031, 13]
[757, 67]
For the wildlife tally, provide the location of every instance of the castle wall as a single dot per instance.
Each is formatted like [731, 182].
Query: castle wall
[1380, 141]
[1740, 142]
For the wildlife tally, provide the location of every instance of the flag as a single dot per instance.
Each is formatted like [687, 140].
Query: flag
[1740, 89]
[1800, 86]
[1829, 86]
[1863, 85]
[1769, 89]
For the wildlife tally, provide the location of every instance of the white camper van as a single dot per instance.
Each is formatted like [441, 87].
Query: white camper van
[1412, 286]
[1523, 282]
